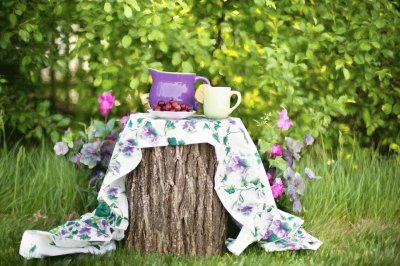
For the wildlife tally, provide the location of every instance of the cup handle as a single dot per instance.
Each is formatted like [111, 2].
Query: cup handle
[204, 79]
[239, 99]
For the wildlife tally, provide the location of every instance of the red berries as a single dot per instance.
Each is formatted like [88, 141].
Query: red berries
[172, 106]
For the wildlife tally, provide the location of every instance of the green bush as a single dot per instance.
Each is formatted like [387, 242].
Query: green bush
[333, 64]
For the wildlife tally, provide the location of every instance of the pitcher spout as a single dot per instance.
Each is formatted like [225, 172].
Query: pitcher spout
[153, 72]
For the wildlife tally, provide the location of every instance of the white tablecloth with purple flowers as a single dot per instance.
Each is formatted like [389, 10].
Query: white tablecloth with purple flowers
[240, 182]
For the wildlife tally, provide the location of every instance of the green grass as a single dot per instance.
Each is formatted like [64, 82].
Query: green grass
[354, 210]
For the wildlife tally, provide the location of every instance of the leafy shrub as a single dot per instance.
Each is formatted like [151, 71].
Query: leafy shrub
[333, 64]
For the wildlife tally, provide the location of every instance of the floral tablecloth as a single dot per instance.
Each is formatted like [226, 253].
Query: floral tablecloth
[240, 182]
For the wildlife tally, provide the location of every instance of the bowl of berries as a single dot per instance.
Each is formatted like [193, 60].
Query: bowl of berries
[171, 110]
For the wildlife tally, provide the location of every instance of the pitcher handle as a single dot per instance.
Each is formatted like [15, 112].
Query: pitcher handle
[204, 79]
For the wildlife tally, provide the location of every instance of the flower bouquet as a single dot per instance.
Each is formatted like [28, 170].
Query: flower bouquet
[91, 149]
[281, 154]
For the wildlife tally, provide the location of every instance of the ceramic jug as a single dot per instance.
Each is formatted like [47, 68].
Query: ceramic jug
[171, 85]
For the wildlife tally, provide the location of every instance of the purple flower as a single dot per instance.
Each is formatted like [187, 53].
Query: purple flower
[64, 232]
[246, 209]
[99, 175]
[91, 154]
[289, 174]
[294, 147]
[106, 151]
[268, 234]
[113, 191]
[127, 147]
[189, 124]
[291, 190]
[114, 167]
[279, 228]
[149, 133]
[284, 122]
[232, 121]
[310, 174]
[308, 140]
[76, 160]
[103, 223]
[276, 150]
[297, 205]
[270, 175]
[298, 184]
[238, 165]
[287, 156]
[84, 230]
[61, 148]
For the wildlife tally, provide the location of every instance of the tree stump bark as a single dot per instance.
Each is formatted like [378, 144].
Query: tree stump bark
[172, 202]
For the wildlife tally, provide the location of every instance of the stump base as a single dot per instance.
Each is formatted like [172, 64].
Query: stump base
[172, 202]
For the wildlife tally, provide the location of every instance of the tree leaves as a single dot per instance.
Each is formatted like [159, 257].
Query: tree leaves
[126, 41]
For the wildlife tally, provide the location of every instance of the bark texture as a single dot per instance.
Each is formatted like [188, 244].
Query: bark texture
[172, 202]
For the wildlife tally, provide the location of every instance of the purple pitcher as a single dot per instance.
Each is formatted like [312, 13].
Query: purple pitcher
[177, 86]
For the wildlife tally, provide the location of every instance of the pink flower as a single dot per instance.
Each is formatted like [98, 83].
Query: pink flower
[106, 101]
[277, 188]
[125, 118]
[61, 148]
[276, 150]
[111, 137]
[284, 121]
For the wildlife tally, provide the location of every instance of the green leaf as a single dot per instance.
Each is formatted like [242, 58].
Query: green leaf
[156, 20]
[134, 83]
[163, 47]
[55, 136]
[319, 28]
[187, 67]
[102, 210]
[38, 36]
[176, 58]
[110, 125]
[133, 4]
[24, 35]
[169, 124]
[13, 20]
[215, 136]
[387, 108]
[172, 142]
[346, 73]
[364, 46]
[225, 140]
[278, 163]
[127, 11]
[259, 26]
[230, 189]
[64, 122]
[107, 7]
[270, 4]
[126, 41]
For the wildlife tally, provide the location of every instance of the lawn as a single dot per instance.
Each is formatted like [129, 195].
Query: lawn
[354, 210]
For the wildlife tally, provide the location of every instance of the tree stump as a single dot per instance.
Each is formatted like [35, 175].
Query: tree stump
[172, 202]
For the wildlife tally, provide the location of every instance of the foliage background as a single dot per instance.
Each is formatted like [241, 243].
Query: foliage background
[333, 64]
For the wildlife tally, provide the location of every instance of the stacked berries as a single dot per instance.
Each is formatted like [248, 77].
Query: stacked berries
[172, 106]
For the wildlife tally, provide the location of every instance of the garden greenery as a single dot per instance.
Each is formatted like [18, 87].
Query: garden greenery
[334, 65]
